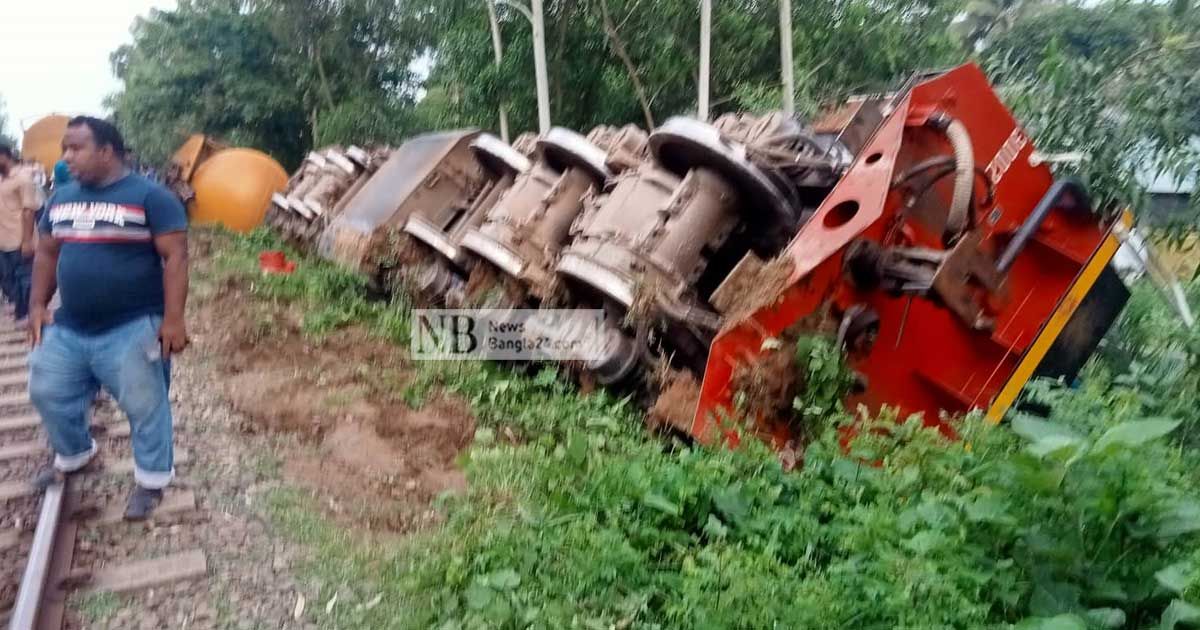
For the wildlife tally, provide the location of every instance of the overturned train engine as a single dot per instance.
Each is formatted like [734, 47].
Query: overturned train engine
[951, 267]
[912, 227]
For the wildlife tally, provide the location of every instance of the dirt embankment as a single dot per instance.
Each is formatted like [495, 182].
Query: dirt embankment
[374, 461]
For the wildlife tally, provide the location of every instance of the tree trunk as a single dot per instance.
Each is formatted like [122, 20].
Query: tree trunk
[560, 47]
[785, 57]
[705, 50]
[619, 49]
[321, 74]
[498, 51]
[539, 65]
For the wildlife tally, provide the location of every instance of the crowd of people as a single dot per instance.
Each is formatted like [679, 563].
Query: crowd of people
[24, 188]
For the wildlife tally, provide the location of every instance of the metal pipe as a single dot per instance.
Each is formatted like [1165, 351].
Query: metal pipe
[1044, 206]
[539, 64]
[33, 583]
[785, 57]
[498, 50]
[705, 42]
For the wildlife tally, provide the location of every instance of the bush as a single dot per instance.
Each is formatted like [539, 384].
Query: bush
[1155, 360]
[591, 525]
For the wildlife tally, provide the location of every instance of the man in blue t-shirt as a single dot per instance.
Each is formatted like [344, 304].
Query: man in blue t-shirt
[114, 245]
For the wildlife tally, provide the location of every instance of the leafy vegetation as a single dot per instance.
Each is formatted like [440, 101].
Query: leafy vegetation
[276, 75]
[4, 137]
[601, 528]
[1113, 80]
[841, 46]
[329, 297]
[98, 607]
[1086, 518]
[1154, 361]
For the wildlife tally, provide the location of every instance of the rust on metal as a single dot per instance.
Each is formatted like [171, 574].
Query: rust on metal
[320, 189]
[658, 247]
[429, 173]
[196, 149]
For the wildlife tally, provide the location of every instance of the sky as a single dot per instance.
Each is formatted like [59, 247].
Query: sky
[54, 54]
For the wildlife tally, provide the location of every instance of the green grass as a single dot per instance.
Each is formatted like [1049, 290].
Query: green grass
[329, 297]
[342, 398]
[97, 607]
[225, 614]
[340, 563]
[267, 465]
[586, 522]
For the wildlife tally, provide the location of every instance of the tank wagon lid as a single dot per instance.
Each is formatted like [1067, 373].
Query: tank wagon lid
[393, 184]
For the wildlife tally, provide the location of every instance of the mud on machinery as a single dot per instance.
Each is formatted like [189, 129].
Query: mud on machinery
[911, 226]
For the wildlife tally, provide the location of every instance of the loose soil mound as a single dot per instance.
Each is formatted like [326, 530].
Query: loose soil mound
[675, 406]
[374, 461]
[767, 384]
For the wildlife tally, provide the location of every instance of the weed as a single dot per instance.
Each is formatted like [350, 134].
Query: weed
[264, 325]
[266, 465]
[342, 398]
[418, 389]
[292, 510]
[98, 607]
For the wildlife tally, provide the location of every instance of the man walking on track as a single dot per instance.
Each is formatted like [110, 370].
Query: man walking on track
[114, 245]
[18, 201]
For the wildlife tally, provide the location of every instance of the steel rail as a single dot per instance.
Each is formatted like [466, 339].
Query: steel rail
[37, 569]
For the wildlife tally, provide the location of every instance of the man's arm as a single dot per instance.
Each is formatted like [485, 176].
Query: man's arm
[27, 241]
[29, 205]
[45, 265]
[172, 247]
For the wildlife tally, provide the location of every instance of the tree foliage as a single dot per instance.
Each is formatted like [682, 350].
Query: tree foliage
[4, 137]
[1115, 80]
[207, 68]
[841, 47]
[351, 61]
[278, 75]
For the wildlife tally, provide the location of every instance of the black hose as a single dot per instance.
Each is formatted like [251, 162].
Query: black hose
[989, 193]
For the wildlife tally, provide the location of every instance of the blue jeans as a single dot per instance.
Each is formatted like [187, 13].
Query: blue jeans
[17, 274]
[67, 370]
[22, 283]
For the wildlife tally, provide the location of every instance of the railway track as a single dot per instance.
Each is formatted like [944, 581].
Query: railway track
[71, 539]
